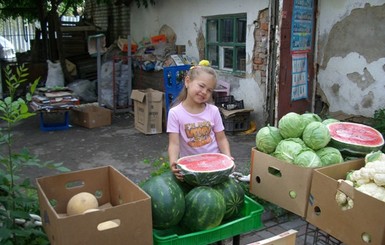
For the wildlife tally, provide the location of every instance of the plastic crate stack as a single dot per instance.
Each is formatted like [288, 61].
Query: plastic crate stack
[233, 122]
[228, 102]
[173, 83]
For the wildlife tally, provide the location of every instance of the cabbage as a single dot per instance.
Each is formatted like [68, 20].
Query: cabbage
[329, 120]
[375, 156]
[267, 139]
[287, 150]
[299, 141]
[329, 155]
[310, 117]
[308, 158]
[316, 135]
[291, 125]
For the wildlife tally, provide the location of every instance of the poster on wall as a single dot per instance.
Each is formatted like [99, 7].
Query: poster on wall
[302, 26]
[299, 77]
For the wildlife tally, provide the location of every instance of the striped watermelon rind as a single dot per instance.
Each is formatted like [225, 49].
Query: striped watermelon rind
[354, 139]
[234, 197]
[167, 201]
[205, 209]
[205, 169]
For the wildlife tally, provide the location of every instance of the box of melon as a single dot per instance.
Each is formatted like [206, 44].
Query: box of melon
[94, 206]
[344, 211]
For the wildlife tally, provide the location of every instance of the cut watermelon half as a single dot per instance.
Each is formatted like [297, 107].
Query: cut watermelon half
[206, 168]
[355, 139]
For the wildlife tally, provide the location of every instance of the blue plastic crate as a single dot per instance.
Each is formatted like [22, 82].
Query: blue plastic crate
[249, 219]
[173, 77]
[170, 98]
[47, 125]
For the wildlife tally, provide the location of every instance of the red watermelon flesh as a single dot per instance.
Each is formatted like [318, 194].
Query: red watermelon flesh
[206, 168]
[355, 138]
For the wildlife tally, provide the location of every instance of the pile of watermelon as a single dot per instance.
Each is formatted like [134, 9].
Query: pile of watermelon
[309, 141]
[198, 206]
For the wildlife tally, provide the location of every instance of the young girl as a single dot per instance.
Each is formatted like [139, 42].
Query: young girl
[194, 125]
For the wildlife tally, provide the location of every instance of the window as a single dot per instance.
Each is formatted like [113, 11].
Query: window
[226, 42]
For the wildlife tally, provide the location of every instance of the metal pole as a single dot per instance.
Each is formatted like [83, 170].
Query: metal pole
[98, 37]
[98, 63]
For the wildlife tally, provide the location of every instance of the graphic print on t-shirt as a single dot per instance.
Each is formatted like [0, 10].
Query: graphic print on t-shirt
[198, 133]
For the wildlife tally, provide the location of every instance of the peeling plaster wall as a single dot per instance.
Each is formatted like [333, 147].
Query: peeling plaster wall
[351, 56]
[185, 18]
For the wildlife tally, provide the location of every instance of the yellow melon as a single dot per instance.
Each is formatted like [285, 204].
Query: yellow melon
[81, 202]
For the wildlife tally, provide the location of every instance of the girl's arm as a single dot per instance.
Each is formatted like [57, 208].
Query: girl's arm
[223, 143]
[173, 153]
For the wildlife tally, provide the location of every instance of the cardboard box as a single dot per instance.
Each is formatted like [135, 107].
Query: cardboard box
[285, 238]
[366, 216]
[148, 110]
[91, 116]
[121, 198]
[277, 182]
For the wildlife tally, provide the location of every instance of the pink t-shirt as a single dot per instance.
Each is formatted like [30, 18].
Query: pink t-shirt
[196, 131]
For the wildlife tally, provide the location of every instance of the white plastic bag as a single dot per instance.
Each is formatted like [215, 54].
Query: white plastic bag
[55, 76]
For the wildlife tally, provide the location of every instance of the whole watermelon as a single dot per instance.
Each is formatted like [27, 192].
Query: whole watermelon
[167, 201]
[234, 196]
[205, 209]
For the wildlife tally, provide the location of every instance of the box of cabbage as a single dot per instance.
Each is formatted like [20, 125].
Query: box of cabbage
[360, 221]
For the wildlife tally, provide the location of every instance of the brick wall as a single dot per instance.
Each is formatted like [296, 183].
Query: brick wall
[261, 43]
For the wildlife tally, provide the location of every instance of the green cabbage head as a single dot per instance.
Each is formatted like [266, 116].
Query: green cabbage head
[329, 155]
[310, 117]
[267, 139]
[375, 156]
[329, 120]
[308, 158]
[316, 135]
[291, 125]
[287, 150]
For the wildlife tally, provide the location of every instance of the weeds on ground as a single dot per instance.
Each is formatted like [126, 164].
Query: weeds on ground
[160, 165]
[19, 223]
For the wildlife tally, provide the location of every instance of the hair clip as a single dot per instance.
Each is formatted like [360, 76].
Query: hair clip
[204, 63]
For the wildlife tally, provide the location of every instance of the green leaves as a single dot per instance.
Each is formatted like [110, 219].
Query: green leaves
[18, 196]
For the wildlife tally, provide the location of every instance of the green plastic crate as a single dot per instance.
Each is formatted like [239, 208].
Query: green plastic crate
[248, 220]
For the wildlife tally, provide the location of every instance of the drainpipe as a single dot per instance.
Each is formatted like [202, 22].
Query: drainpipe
[273, 66]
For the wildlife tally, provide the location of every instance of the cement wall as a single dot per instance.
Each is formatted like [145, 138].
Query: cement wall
[186, 18]
[351, 56]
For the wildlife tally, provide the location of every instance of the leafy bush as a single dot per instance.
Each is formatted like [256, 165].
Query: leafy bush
[19, 222]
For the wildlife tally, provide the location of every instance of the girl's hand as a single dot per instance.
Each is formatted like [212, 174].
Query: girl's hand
[176, 171]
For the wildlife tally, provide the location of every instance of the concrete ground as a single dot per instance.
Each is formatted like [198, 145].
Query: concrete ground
[135, 155]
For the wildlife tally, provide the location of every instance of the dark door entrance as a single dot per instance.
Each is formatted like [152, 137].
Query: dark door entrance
[296, 73]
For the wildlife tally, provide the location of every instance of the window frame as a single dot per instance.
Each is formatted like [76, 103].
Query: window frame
[217, 44]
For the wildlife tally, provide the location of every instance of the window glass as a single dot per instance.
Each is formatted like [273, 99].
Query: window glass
[226, 42]
[213, 55]
[241, 59]
[241, 30]
[212, 31]
[228, 58]
[227, 30]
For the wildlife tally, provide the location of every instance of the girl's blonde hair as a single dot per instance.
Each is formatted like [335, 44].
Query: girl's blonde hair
[193, 73]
